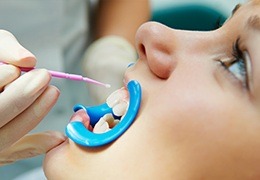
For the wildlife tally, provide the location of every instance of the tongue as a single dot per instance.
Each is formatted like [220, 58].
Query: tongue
[83, 117]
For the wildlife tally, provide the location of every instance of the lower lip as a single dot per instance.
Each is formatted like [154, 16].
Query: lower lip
[79, 115]
[83, 117]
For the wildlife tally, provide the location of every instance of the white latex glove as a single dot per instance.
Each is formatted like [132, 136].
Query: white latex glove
[106, 60]
[30, 146]
[25, 100]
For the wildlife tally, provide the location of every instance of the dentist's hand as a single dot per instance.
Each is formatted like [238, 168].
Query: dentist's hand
[106, 60]
[25, 100]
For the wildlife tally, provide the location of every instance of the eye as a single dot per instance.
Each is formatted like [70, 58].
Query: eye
[237, 66]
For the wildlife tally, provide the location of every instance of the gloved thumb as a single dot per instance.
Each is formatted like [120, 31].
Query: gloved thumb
[30, 146]
[12, 52]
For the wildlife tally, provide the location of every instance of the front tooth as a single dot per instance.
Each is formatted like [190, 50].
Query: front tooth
[116, 97]
[101, 126]
[120, 109]
[113, 99]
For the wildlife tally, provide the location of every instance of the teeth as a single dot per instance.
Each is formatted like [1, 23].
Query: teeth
[105, 124]
[120, 109]
[118, 101]
[116, 97]
[101, 126]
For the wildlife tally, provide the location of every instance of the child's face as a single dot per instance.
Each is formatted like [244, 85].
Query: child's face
[197, 120]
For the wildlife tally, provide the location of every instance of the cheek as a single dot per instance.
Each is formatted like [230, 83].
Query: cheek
[200, 120]
[189, 115]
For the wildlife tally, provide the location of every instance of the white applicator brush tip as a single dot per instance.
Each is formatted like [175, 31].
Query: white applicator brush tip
[108, 86]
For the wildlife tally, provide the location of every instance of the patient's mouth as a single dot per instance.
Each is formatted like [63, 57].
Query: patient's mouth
[118, 101]
[109, 120]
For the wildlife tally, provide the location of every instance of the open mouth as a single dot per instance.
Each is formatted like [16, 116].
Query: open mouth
[99, 125]
[109, 114]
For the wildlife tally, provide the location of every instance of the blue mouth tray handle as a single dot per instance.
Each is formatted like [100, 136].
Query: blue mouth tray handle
[77, 132]
[95, 112]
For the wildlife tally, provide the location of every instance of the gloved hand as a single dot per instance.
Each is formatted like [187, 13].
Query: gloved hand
[106, 60]
[30, 146]
[25, 100]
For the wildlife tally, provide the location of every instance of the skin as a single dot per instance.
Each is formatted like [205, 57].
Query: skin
[207, 124]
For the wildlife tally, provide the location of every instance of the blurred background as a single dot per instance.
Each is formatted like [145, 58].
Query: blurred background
[182, 14]
[192, 14]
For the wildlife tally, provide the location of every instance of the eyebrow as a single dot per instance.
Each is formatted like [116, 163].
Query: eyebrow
[235, 9]
[253, 22]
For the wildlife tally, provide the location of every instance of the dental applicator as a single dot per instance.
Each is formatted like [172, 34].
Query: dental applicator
[63, 75]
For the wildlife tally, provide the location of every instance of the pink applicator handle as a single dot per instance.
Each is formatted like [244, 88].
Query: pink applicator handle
[74, 77]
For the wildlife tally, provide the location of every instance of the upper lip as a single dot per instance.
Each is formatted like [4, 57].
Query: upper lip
[79, 115]
[125, 81]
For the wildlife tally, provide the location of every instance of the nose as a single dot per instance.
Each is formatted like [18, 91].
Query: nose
[154, 48]
[163, 47]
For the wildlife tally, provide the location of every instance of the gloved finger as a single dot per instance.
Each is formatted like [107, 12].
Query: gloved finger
[29, 118]
[21, 93]
[12, 52]
[8, 74]
[30, 146]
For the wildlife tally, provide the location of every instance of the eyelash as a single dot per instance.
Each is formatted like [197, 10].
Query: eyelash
[238, 57]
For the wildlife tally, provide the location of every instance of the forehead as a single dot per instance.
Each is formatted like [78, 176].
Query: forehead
[252, 3]
[255, 2]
